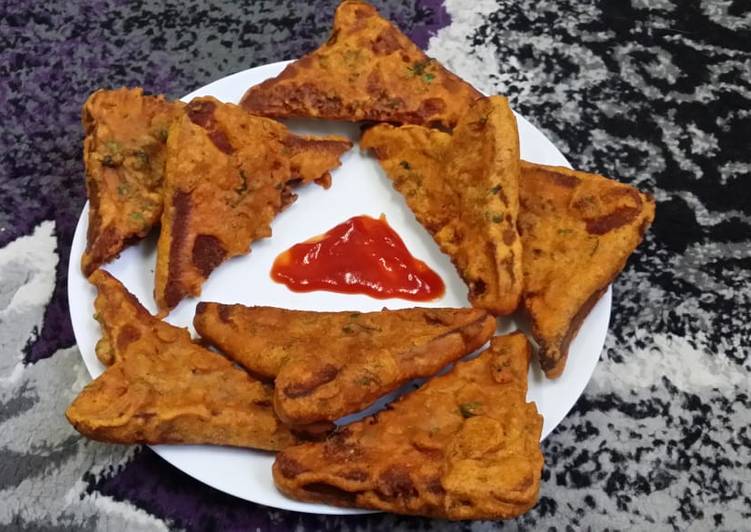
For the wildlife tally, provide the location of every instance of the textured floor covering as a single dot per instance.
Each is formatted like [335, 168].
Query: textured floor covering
[655, 92]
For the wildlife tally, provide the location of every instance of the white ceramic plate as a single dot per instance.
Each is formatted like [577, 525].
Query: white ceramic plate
[359, 187]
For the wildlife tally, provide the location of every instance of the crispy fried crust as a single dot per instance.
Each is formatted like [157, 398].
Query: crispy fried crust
[577, 231]
[164, 388]
[464, 446]
[227, 175]
[121, 317]
[339, 361]
[339, 380]
[464, 188]
[123, 152]
[264, 339]
[368, 70]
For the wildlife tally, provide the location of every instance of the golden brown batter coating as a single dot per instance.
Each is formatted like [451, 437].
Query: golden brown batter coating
[368, 70]
[228, 174]
[464, 188]
[336, 381]
[577, 232]
[164, 388]
[264, 339]
[123, 152]
[120, 315]
[466, 445]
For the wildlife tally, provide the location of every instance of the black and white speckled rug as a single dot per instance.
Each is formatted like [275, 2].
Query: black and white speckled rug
[654, 92]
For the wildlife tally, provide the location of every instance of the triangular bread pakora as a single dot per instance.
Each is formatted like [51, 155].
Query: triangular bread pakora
[330, 364]
[367, 70]
[577, 231]
[123, 153]
[227, 175]
[464, 188]
[122, 318]
[164, 388]
[466, 445]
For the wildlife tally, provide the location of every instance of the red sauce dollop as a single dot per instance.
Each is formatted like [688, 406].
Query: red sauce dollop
[360, 256]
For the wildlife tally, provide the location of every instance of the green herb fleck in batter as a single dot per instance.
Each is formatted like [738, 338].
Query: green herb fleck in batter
[365, 380]
[468, 410]
[420, 70]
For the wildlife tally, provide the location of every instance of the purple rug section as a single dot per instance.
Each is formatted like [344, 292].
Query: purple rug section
[162, 490]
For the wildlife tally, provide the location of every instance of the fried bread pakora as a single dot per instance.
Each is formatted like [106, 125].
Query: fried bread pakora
[464, 189]
[227, 175]
[165, 388]
[123, 152]
[264, 339]
[121, 317]
[577, 232]
[331, 383]
[466, 445]
[368, 70]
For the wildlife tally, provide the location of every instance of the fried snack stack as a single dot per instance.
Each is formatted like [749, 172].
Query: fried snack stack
[228, 174]
[214, 175]
[123, 153]
[367, 70]
[464, 188]
[164, 388]
[463, 446]
[327, 365]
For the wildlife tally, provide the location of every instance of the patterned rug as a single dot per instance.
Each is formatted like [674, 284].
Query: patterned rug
[654, 92]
